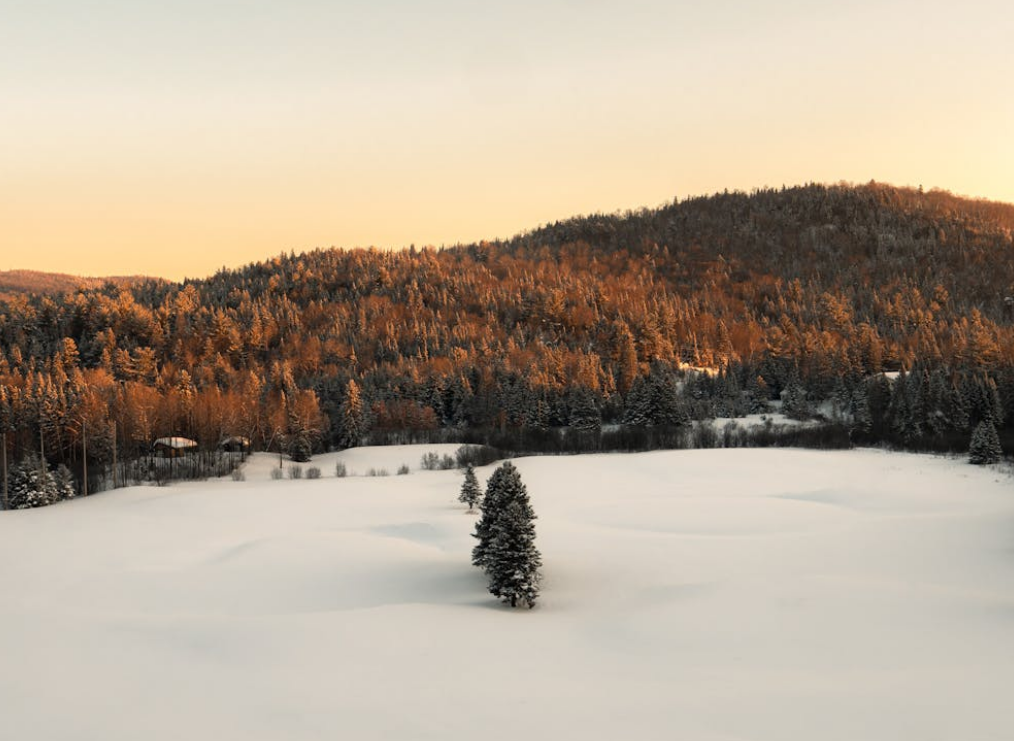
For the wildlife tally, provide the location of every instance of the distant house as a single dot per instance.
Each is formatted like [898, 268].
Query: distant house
[174, 447]
[235, 444]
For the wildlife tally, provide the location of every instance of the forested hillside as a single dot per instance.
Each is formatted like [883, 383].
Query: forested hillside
[799, 295]
[13, 282]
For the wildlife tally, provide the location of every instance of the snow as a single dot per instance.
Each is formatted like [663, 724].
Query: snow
[179, 443]
[753, 421]
[711, 595]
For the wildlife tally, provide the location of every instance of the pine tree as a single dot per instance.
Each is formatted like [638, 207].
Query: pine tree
[32, 485]
[458, 402]
[936, 402]
[758, 394]
[351, 417]
[794, 401]
[859, 407]
[668, 407]
[985, 445]
[513, 561]
[302, 414]
[584, 413]
[540, 415]
[6, 426]
[841, 397]
[300, 447]
[506, 532]
[985, 403]
[625, 353]
[729, 395]
[63, 483]
[957, 408]
[637, 409]
[878, 396]
[471, 493]
[491, 508]
[915, 407]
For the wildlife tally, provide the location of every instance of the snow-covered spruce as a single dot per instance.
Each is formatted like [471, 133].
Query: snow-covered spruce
[512, 560]
[33, 485]
[351, 418]
[985, 445]
[63, 483]
[471, 492]
[506, 533]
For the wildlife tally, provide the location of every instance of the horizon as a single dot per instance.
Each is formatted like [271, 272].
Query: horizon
[173, 142]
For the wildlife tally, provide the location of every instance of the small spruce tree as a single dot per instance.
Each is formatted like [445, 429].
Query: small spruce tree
[985, 445]
[32, 485]
[471, 493]
[300, 447]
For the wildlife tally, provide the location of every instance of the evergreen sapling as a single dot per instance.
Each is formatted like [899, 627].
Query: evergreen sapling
[471, 493]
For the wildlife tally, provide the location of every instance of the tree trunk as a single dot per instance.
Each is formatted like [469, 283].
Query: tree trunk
[114, 457]
[84, 459]
[3, 455]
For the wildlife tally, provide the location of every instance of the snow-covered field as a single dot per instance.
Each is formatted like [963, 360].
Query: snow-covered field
[774, 595]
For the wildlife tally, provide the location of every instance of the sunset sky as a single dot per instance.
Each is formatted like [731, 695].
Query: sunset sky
[174, 138]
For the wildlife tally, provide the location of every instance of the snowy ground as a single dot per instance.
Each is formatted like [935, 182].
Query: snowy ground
[711, 595]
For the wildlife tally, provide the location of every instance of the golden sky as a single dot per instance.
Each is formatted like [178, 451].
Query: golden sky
[175, 138]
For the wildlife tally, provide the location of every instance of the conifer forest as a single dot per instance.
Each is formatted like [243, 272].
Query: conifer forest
[884, 314]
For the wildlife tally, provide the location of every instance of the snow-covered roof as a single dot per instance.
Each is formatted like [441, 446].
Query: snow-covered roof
[234, 439]
[176, 442]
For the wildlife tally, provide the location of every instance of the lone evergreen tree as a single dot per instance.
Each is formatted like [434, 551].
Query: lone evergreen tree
[506, 533]
[985, 446]
[513, 561]
[471, 493]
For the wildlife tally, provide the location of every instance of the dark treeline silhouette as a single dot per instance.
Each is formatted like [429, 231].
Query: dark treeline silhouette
[576, 335]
